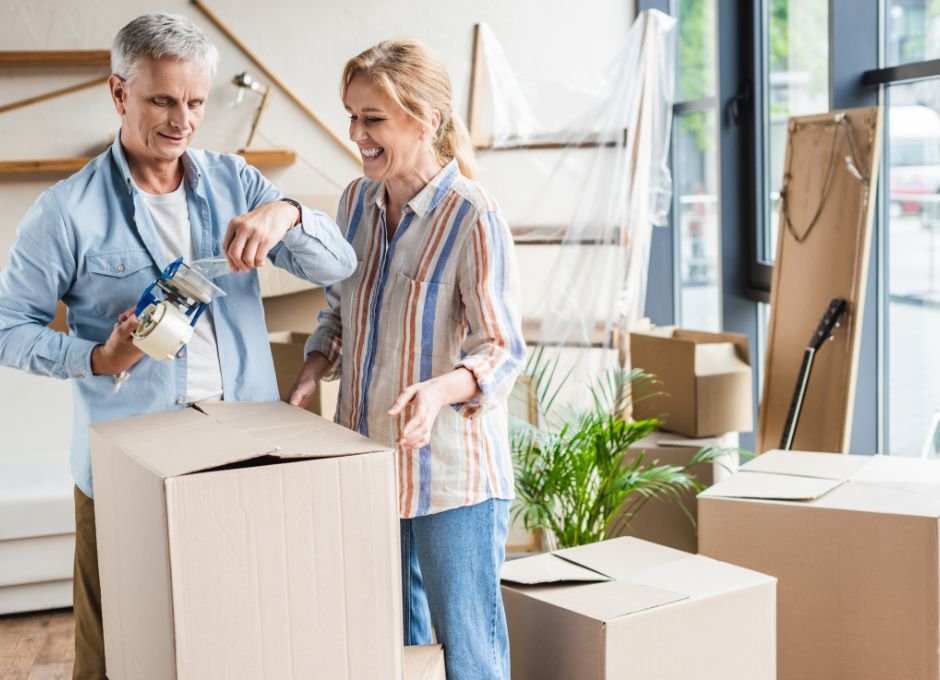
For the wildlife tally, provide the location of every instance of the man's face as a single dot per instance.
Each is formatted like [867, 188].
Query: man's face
[160, 108]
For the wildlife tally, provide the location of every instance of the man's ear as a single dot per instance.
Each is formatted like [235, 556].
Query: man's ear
[118, 87]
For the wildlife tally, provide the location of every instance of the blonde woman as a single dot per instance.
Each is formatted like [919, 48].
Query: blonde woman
[426, 339]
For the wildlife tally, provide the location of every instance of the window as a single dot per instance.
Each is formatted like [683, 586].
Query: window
[795, 56]
[912, 31]
[913, 261]
[694, 162]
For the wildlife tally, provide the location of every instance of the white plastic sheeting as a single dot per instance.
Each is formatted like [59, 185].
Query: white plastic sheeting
[613, 168]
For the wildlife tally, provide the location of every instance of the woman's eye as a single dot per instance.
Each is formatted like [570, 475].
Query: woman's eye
[373, 121]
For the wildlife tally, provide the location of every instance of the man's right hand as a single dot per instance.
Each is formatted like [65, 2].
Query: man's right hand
[118, 353]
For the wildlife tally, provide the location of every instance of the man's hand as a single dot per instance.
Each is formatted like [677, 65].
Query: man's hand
[118, 353]
[425, 401]
[250, 236]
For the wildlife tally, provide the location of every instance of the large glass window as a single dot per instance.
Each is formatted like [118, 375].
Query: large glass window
[796, 78]
[912, 31]
[913, 263]
[695, 166]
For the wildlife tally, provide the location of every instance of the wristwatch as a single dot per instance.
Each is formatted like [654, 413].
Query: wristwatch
[294, 203]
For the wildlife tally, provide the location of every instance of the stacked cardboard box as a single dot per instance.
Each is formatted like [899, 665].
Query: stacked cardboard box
[705, 380]
[628, 608]
[853, 542]
[246, 540]
[37, 531]
[663, 520]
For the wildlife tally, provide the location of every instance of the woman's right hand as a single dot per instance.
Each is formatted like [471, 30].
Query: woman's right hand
[305, 386]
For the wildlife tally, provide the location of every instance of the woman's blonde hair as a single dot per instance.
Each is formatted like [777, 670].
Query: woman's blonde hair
[414, 77]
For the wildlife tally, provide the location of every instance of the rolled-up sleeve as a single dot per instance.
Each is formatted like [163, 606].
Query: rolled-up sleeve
[40, 270]
[315, 249]
[494, 349]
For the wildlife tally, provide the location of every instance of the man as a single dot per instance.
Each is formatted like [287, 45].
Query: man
[100, 237]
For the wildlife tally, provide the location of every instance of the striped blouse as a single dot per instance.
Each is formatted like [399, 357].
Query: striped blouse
[443, 293]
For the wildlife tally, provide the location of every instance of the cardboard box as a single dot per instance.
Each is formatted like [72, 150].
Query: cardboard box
[705, 380]
[246, 540]
[853, 541]
[626, 608]
[662, 520]
[424, 662]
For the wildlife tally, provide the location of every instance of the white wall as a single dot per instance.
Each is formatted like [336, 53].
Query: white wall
[555, 47]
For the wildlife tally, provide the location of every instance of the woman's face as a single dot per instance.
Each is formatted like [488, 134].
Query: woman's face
[393, 145]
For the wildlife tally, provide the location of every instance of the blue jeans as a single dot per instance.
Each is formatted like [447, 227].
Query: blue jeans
[450, 578]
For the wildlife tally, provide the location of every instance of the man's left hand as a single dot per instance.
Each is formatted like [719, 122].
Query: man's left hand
[251, 236]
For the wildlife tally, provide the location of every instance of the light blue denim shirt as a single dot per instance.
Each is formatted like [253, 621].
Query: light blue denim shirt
[89, 241]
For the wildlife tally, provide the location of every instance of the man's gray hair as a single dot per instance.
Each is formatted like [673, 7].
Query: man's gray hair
[157, 36]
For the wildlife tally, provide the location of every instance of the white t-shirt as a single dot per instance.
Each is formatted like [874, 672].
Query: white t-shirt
[170, 216]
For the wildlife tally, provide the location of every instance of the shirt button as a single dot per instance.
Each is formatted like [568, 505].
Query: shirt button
[120, 267]
[179, 401]
[181, 353]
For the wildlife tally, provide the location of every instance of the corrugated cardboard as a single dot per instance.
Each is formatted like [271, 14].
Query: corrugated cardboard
[424, 662]
[662, 520]
[705, 379]
[246, 540]
[294, 312]
[853, 541]
[628, 608]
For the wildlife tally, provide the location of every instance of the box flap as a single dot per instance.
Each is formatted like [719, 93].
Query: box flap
[621, 558]
[296, 432]
[898, 470]
[607, 601]
[808, 464]
[737, 340]
[547, 568]
[701, 576]
[895, 498]
[153, 440]
[760, 485]
[718, 358]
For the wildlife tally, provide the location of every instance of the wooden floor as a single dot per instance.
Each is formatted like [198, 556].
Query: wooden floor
[37, 646]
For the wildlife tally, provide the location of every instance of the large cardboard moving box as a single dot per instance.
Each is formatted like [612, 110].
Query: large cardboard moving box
[705, 379]
[662, 520]
[246, 540]
[853, 542]
[626, 608]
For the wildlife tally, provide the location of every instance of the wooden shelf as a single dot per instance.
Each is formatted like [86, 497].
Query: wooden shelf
[66, 166]
[270, 158]
[63, 166]
[54, 58]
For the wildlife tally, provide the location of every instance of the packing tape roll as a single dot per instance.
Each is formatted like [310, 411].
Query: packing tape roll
[163, 331]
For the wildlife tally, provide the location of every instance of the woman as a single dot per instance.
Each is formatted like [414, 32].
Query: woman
[426, 339]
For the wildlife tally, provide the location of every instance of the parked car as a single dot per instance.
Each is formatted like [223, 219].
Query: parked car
[914, 158]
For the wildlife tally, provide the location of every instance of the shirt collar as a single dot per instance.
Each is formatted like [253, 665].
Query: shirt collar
[425, 201]
[191, 173]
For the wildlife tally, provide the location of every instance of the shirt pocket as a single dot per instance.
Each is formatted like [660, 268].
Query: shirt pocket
[422, 317]
[117, 278]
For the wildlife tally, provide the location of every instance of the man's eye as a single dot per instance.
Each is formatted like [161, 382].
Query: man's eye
[373, 121]
[196, 104]
[161, 101]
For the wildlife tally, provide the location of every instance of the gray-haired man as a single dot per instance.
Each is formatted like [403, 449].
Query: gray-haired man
[100, 237]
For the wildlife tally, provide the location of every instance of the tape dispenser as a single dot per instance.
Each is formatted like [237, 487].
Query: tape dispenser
[167, 322]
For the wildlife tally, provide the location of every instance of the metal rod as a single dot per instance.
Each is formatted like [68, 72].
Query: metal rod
[274, 79]
[52, 95]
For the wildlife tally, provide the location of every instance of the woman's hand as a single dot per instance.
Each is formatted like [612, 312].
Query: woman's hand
[426, 400]
[305, 386]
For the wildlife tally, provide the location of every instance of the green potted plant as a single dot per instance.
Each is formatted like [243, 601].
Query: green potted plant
[576, 483]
